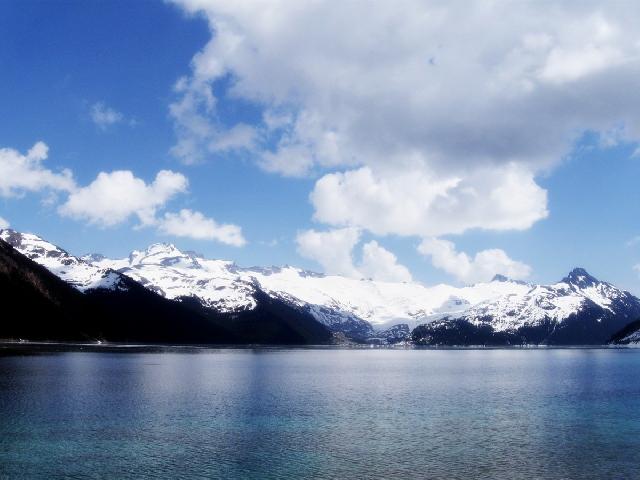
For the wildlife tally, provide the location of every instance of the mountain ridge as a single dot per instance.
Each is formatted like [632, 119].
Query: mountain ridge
[127, 311]
[577, 309]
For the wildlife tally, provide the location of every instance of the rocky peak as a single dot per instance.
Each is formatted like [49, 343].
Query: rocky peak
[580, 278]
[500, 278]
[35, 247]
[12, 237]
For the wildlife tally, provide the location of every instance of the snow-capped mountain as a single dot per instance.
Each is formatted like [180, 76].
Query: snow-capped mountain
[61, 297]
[556, 302]
[367, 309]
[578, 309]
[579, 306]
[79, 273]
[353, 306]
[175, 274]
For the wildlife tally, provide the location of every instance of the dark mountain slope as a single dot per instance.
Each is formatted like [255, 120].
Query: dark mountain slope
[35, 303]
[627, 335]
[271, 322]
[38, 305]
[578, 310]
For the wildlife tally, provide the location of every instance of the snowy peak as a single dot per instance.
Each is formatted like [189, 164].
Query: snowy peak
[356, 307]
[578, 310]
[176, 274]
[577, 295]
[80, 273]
[580, 278]
[35, 247]
[164, 254]
[603, 294]
[332, 299]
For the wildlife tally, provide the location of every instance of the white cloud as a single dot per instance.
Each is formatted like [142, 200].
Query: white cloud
[481, 268]
[197, 132]
[577, 59]
[333, 250]
[637, 268]
[22, 173]
[241, 136]
[114, 197]
[406, 83]
[380, 264]
[104, 116]
[188, 223]
[565, 66]
[413, 202]
[405, 95]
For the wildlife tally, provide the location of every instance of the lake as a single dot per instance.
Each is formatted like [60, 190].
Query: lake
[320, 413]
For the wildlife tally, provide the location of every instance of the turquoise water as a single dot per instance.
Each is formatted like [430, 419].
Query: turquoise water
[500, 414]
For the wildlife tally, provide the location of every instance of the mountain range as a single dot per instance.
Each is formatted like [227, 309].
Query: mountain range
[163, 294]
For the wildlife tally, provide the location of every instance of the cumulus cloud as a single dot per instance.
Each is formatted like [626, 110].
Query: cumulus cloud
[413, 202]
[333, 250]
[104, 116]
[406, 95]
[480, 268]
[381, 264]
[114, 197]
[25, 173]
[404, 82]
[188, 223]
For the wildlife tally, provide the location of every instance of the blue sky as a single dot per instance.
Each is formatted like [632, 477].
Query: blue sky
[302, 117]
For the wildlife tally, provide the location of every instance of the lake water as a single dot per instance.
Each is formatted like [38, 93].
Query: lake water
[305, 413]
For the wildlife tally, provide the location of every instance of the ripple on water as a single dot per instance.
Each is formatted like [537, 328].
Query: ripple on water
[290, 413]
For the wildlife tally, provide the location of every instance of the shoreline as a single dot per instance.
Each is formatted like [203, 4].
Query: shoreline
[115, 347]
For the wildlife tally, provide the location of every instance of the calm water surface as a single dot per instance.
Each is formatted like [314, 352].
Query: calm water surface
[504, 414]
